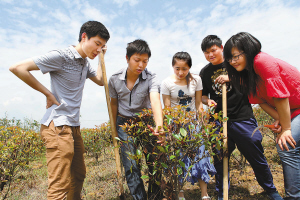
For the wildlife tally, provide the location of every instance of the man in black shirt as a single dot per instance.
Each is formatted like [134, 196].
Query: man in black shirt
[241, 121]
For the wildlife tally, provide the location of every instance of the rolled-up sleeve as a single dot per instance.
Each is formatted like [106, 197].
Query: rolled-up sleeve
[111, 88]
[48, 62]
[153, 83]
[91, 71]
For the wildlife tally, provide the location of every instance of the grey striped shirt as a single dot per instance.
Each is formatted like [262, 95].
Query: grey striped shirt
[132, 102]
[68, 72]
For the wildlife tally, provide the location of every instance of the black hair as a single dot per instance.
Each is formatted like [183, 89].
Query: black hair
[188, 60]
[92, 29]
[210, 41]
[247, 80]
[137, 46]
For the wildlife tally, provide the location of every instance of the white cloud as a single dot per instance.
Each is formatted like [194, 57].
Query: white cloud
[7, 1]
[130, 2]
[273, 22]
[12, 101]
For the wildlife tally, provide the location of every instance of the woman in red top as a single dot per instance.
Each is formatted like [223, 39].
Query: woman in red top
[275, 86]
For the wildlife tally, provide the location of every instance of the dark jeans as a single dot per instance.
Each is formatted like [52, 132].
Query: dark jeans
[239, 135]
[132, 169]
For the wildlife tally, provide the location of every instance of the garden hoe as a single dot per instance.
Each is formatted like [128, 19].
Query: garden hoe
[113, 127]
[225, 158]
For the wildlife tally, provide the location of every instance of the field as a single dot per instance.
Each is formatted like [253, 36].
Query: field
[101, 181]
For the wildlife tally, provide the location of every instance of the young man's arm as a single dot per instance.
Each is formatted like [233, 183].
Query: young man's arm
[166, 100]
[220, 79]
[22, 70]
[157, 114]
[207, 101]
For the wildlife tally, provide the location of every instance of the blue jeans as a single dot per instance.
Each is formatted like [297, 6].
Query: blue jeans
[291, 163]
[132, 169]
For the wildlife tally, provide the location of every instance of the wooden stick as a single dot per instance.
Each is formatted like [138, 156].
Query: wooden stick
[113, 126]
[225, 149]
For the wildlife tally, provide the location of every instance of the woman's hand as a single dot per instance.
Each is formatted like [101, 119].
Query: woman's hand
[277, 128]
[283, 137]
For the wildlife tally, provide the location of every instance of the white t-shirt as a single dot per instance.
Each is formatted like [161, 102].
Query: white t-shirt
[181, 94]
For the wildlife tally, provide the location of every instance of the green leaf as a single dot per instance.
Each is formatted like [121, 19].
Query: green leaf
[178, 152]
[183, 132]
[161, 149]
[181, 163]
[169, 118]
[164, 165]
[179, 170]
[177, 136]
[138, 152]
[144, 177]
[172, 157]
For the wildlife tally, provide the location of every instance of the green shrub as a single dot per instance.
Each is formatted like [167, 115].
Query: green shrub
[17, 148]
[184, 136]
[96, 140]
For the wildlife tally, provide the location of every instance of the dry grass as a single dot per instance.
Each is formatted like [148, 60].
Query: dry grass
[101, 181]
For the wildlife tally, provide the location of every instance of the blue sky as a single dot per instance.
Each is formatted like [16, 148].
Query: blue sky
[31, 27]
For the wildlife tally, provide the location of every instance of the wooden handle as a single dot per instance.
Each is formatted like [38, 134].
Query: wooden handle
[112, 124]
[225, 149]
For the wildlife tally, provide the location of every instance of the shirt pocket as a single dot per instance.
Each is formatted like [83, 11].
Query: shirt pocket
[140, 98]
[72, 73]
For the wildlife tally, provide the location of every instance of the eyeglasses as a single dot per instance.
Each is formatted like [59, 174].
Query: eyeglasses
[235, 58]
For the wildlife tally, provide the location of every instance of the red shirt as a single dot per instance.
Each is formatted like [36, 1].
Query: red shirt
[278, 79]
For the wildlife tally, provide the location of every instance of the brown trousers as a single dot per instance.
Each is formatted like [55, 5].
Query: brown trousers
[65, 162]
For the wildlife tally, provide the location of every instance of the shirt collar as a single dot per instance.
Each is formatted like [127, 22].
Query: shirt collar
[123, 74]
[75, 52]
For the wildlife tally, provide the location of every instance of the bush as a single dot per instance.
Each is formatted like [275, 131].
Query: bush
[18, 146]
[96, 140]
[184, 136]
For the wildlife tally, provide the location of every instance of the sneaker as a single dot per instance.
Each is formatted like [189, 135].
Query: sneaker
[274, 196]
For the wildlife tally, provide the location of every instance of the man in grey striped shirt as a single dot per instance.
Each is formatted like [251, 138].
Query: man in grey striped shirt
[60, 130]
[132, 89]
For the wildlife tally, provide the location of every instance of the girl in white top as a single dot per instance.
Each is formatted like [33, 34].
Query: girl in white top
[183, 88]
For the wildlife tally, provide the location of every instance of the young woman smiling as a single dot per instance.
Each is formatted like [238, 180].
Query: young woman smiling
[275, 86]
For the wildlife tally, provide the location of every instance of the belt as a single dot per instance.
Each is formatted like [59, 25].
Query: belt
[126, 117]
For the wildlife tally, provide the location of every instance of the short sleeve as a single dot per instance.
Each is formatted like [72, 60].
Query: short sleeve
[91, 71]
[205, 90]
[269, 71]
[199, 83]
[111, 87]
[153, 83]
[255, 99]
[51, 61]
[165, 87]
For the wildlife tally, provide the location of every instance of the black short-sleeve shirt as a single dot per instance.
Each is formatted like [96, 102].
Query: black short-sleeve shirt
[238, 106]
